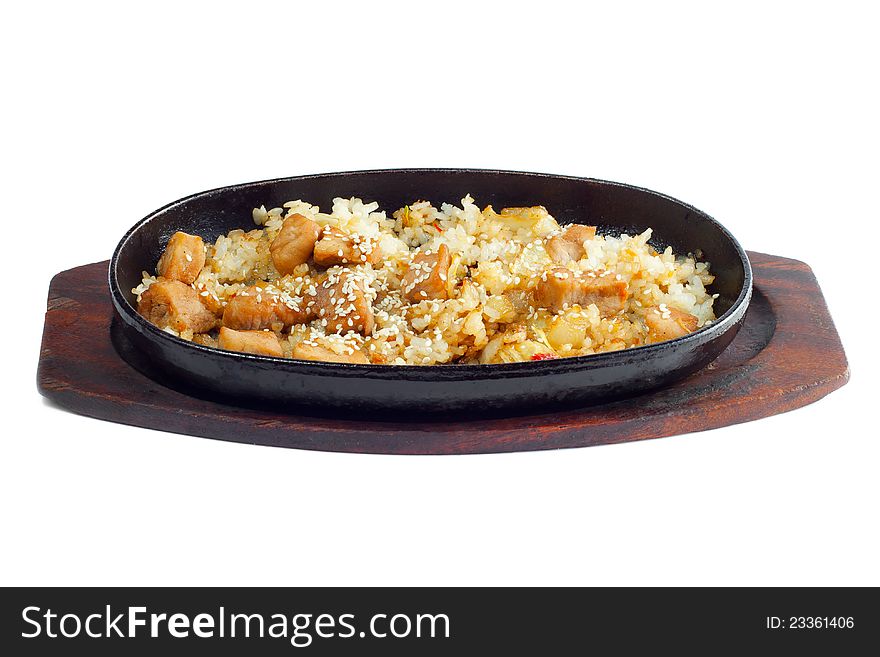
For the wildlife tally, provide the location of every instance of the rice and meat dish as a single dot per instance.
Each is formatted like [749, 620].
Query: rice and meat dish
[425, 286]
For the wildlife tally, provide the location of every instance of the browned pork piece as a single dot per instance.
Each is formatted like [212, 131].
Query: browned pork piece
[342, 303]
[316, 352]
[176, 305]
[336, 247]
[294, 243]
[427, 276]
[183, 258]
[562, 287]
[258, 307]
[666, 323]
[569, 245]
[264, 343]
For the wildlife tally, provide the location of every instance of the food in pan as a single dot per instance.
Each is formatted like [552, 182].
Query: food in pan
[425, 286]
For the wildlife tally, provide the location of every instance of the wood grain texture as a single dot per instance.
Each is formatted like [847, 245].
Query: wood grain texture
[787, 355]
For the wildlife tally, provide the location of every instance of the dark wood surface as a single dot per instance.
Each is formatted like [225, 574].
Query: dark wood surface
[787, 355]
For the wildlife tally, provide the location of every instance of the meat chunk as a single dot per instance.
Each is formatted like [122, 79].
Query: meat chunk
[579, 233]
[562, 287]
[339, 248]
[561, 251]
[534, 219]
[294, 244]
[569, 245]
[342, 302]
[264, 343]
[172, 304]
[666, 323]
[427, 276]
[183, 258]
[260, 307]
[306, 351]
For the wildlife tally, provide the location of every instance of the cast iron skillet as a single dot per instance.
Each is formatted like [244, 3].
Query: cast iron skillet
[449, 389]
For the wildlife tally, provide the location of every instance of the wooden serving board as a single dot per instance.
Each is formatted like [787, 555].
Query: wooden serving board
[786, 355]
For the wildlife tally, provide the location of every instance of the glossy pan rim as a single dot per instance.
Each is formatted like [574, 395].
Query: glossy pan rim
[451, 371]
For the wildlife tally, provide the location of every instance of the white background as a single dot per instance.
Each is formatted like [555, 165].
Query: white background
[765, 116]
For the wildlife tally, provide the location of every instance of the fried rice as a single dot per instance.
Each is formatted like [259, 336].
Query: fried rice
[425, 286]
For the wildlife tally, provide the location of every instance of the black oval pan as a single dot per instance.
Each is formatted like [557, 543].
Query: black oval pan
[452, 389]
